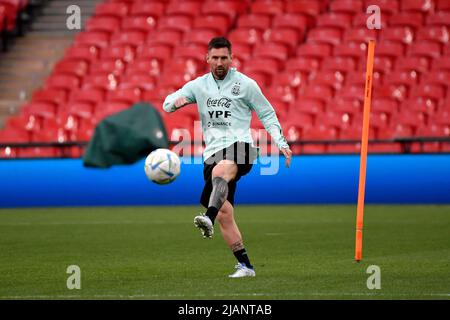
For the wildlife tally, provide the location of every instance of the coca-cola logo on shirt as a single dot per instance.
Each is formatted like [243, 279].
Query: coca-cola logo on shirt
[222, 102]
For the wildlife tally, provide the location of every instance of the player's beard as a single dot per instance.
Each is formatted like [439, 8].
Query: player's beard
[220, 73]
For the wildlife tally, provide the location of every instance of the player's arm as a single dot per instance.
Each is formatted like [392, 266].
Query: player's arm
[180, 98]
[266, 114]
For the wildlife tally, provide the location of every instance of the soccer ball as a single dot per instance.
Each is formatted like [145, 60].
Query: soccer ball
[162, 166]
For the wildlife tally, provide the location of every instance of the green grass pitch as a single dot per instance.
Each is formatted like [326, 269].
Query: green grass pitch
[299, 252]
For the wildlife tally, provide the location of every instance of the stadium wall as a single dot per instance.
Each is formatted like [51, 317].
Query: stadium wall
[391, 179]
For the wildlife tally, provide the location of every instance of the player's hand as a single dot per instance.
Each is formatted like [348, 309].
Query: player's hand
[288, 154]
[180, 102]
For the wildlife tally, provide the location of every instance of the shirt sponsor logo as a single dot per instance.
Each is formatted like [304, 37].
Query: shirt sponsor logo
[222, 102]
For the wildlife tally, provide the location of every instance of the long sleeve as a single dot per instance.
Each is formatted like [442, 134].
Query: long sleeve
[186, 91]
[266, 114]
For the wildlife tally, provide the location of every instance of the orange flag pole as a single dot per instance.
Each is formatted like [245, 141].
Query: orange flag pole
[364, 145]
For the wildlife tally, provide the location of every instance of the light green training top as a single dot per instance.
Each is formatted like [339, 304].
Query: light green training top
[225, 108]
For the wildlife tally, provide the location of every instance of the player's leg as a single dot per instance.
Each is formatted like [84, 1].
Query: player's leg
[233, 238]
[221, 175]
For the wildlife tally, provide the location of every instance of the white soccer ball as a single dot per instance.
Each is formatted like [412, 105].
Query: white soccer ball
[162, 166]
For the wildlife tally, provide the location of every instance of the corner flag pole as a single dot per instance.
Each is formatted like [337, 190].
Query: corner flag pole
[364, 144]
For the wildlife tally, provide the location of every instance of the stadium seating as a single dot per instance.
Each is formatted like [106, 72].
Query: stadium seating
[309, 58]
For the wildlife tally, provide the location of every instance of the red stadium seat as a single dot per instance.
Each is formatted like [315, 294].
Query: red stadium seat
[380, 64]
[62, 81]
[420, 104]
[351, 49]
[390, 91]
[335, 20]
[306, 7]
[310, 106]
[264, 65]
[92, 39]
[106, 109]
[287, 37]
[442, 5]
[128, 38]
[325, 35]
[409, 118]
[406, 19]
[406, 78]
[360, 20]
[100, 81]
[316, 50]
[358, 77]
[425, 49]
[293, 21]
[441, 18]
[418, 64]
[430, 131]
[342, 64]
[103, 24]
[245, 36]
[194, 52]
[176, 80]
[229, 9]
[108, 66]
[442, 63]
[122, 52]
[140, 81]
[55, 96]
[263, 79]
[199, 37]
[336, 119]
[254, 21]
[12, 136]
[360, 35]
[280, 92]
[438, 34]
[291, 79]
[399, 34]
[321, 92]
[76, 68]
[140, 24]
[188, 8]
[346, 6]
[271, 50]
[318, 133]
[41, 109]
[113, 9]
[435, 92]
[384, 105]
[129, 95]
[89, 96]
[390, 49]
[147, 9]
[302, 64]
[343, 105]
[421, 6]
[168, 38]
[175, 23]
[242, 51]
[152, 67]
[386, 6]
[269, 8]
[213, 21]
[87, 54]
[441, 77]
[354, 92]
[328, 77]
[79, 109]
[154, 51]
[442, 118]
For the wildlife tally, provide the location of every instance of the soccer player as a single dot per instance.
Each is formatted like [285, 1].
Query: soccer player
[225, 99]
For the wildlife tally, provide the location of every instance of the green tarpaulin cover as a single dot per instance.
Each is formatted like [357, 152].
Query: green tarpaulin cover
[126, 137]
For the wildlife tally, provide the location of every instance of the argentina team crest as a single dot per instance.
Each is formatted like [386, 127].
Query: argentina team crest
[236, 89]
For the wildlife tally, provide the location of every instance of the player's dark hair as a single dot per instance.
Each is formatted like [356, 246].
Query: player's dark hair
[219, 42]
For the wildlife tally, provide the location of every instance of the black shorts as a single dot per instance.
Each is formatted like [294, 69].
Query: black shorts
[243, 154]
